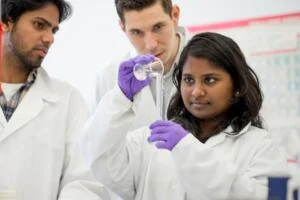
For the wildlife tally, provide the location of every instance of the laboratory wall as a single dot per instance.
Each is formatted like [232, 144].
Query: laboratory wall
[268, 31]
[271, 45]
[92, 36]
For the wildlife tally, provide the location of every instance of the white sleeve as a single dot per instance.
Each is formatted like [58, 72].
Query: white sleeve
[104, 81]
[112, 157]
[205, 173]
[77, 181]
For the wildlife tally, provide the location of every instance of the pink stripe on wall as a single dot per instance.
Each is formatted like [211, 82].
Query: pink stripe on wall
[277, 51]
[242, 23]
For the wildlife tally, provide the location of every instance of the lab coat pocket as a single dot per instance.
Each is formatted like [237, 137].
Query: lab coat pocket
[48, 157]
[41, 167]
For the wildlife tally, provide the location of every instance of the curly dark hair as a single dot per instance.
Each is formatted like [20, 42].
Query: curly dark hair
[223, 52]
[11, 10]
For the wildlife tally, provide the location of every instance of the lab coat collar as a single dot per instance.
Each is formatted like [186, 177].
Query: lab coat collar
[214, 140]
[228, 131]
[41, 91]
[45, 87]
[183, 38]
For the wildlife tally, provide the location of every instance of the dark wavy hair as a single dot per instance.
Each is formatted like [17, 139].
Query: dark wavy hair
[222, 52]
[137, 5]
[11, 10]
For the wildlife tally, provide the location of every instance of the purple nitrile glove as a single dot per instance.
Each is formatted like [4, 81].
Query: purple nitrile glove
[127, 81]
[166, 133]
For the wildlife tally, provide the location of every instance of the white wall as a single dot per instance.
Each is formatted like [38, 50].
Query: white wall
[92, 35]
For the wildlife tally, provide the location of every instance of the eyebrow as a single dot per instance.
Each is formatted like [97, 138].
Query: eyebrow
[208, 74]
[56, 28]
[134, 29]
[160, 23]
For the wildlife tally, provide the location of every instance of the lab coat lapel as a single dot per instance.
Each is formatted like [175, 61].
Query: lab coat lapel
[3, 122]
[31, 104]
[217, 139]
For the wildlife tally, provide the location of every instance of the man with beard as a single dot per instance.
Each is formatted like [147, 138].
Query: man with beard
[41, 116]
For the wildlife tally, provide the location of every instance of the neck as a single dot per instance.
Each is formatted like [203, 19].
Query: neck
[210, 127]
[168, 65]
[207, 129]
[11, 70]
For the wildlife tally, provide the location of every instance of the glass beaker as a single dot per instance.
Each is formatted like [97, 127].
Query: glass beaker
[155, 68]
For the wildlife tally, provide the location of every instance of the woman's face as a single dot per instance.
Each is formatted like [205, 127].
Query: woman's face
[206, 90]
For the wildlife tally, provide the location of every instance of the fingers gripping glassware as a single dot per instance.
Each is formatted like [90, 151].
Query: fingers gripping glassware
[153, 69]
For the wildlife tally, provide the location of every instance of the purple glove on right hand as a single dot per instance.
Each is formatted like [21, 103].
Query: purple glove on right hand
[166, 133]
[127, 81]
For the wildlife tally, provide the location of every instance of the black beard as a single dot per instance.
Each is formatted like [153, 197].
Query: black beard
[26, 63]
[24, 58]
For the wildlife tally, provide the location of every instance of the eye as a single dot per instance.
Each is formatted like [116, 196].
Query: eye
[39, 25]
[136, 32]
[188, 80]
[157, 27]
[210, 80]
[54, 30]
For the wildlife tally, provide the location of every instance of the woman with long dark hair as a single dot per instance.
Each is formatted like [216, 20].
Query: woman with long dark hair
[213, 145]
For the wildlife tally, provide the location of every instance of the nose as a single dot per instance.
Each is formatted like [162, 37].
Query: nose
[48, 37]
[150, 42]
[198, 91]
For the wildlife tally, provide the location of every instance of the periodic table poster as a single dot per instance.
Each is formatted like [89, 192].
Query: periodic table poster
[272, 47]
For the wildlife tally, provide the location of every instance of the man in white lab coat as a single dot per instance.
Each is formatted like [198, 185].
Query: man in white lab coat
[41, 116]
[152, 28]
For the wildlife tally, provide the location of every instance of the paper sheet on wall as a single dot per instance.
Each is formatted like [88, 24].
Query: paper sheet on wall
[272, 48]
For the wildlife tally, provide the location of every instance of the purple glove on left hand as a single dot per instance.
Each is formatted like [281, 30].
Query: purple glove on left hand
[166, 133]
[126, 79]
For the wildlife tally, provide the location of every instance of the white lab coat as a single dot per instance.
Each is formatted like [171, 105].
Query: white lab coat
[38, 155]
[225, 167]
[107, 78]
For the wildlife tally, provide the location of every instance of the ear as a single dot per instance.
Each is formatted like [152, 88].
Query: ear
[175, 14]
[2, 26]
[6, 26]
[122, 26]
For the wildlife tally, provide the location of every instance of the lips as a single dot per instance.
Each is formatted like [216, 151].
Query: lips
[199, 104]
[41, 51]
